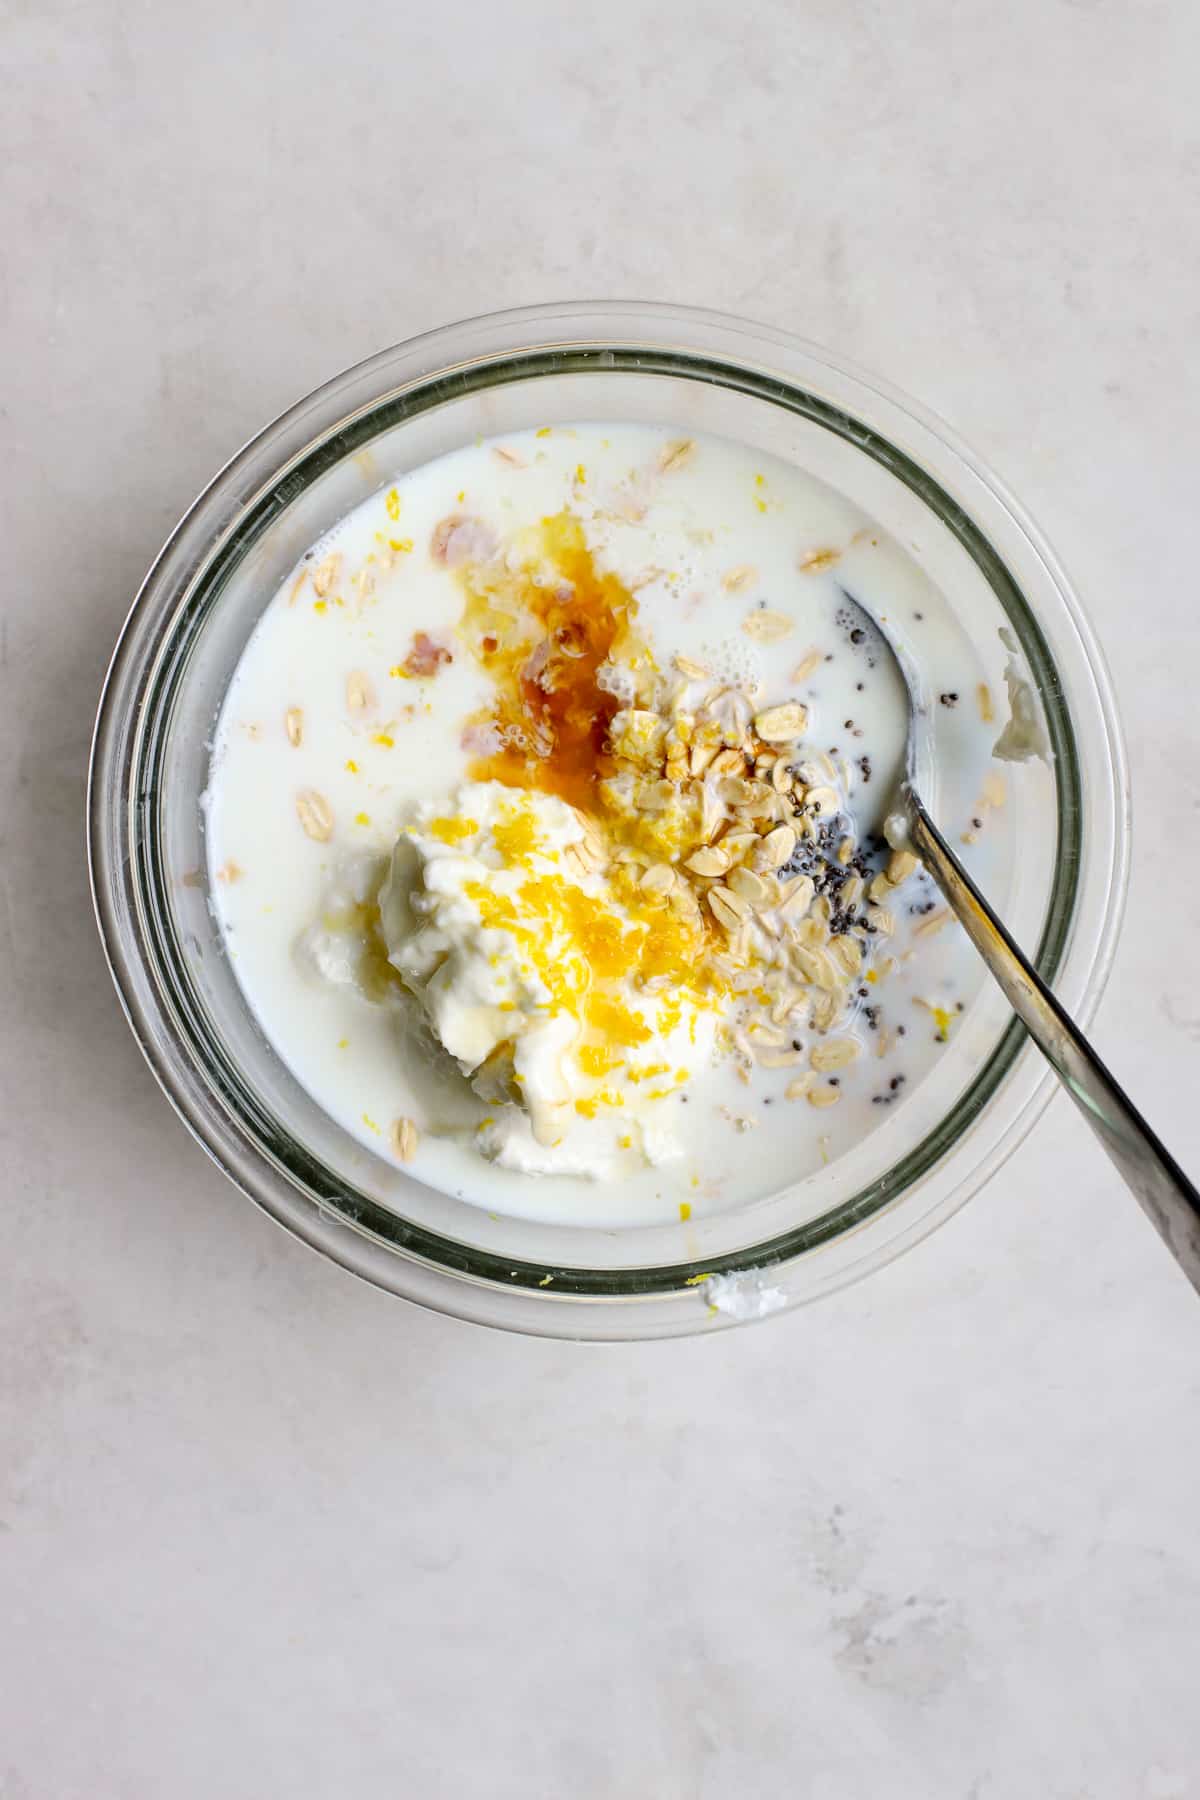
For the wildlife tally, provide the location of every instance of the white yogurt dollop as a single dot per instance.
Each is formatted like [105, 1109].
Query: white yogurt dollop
[508, 943]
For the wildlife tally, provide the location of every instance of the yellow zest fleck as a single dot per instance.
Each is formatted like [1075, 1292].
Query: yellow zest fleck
[461, 495]
[597, 1059]
[616, 1022]
[383, 738]
[760, 481]
[587, 1109]
[872, 976]
[648, 1073]
[343, 1043]
[669, 1015]
[453, 831]
[699, 1280]
[369, 1122]
[352, 767]
[761, 505]
[545, 1281]
[515, 836]
[543, 431]
[580, 475]
[625, 1143]
[598, 932]
[685, 1210]
[392, 503]
[362, 819]
[402, 545]
[943, 1020]
[320, 605]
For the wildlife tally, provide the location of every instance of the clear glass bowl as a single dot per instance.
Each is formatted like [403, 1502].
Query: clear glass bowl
[544, 365]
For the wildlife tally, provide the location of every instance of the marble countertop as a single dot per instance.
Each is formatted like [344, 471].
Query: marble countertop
[264, 1530]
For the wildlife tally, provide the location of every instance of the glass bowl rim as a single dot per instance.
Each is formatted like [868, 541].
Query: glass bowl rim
[513, 338]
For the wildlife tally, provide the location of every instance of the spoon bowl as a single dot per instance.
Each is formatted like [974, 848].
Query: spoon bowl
[1165, 1193]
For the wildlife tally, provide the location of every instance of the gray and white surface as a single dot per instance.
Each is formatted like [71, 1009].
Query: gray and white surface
[263, 1530]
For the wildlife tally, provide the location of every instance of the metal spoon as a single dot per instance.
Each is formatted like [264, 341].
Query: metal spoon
[1166, 1195]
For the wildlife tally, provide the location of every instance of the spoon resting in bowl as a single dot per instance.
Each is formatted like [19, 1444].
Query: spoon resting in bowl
[1166, 1195]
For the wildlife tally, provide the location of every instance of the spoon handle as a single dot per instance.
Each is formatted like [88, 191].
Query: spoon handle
[1166, 1195]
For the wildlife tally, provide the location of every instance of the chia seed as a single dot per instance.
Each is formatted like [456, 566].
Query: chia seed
[893, 1089]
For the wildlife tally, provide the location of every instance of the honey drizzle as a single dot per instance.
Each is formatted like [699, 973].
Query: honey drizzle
[542, 634]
